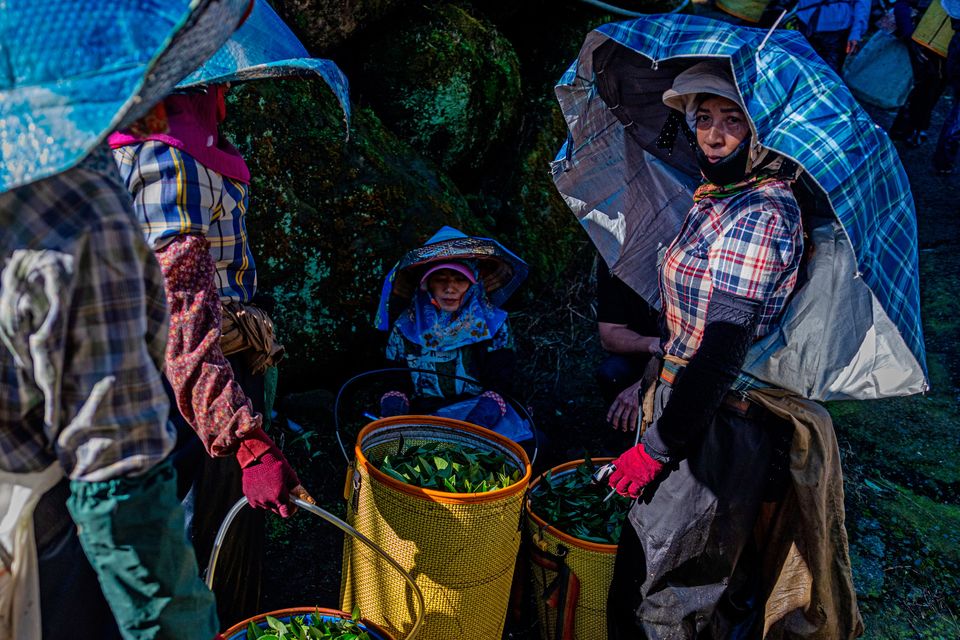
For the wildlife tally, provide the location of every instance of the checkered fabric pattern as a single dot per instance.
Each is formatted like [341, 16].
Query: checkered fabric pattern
[748, 245]
[83, 328]
[801, 109]
[174, 195]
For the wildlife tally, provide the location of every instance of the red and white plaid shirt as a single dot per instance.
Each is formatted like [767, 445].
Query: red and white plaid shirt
[748, 244]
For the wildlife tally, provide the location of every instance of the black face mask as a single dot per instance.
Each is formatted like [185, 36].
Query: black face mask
[729, 170]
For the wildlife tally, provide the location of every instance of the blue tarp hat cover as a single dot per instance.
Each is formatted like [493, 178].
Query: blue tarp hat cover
[451, 244]
[852, 329]
[76, 70]
[265, 47]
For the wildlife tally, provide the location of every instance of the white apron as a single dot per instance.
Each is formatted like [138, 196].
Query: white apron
[20, 581]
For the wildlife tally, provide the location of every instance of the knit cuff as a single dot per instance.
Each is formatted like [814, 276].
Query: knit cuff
[496, 397]
[395, 394]
[255, 443]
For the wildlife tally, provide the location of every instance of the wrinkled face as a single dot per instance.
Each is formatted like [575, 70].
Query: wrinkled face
[721, 127]
[448, 287]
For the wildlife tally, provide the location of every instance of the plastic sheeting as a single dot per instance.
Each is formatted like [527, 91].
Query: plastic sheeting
[265, 47]
[880, 74]
[75, 70]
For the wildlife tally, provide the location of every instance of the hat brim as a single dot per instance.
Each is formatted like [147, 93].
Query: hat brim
[488, 253]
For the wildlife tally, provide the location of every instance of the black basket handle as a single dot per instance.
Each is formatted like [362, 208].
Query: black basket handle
[519, 408]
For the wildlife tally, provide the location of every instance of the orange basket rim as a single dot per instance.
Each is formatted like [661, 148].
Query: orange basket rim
[291, 611]
[586, 545]
[432, 494]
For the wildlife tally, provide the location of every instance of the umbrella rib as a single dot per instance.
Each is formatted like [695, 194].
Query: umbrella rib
[763, 43]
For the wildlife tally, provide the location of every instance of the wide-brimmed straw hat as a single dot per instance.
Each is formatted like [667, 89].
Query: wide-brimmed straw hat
[449, 244]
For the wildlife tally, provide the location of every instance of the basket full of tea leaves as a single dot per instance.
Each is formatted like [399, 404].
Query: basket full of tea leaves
[567, 499]
[443, 498]
[569, 519]
[302, 623]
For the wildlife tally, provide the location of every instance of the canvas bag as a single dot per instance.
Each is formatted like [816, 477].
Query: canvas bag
[20, 581]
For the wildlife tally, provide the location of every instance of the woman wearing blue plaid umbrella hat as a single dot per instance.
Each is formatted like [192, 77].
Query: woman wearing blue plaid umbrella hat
[87, 487]
[690, 563]
[706, 553]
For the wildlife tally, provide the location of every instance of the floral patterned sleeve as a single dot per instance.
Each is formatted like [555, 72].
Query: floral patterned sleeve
[207, 395]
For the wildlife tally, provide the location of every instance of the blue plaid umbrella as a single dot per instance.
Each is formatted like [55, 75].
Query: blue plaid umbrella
[76, 70]
[852, 329]
[265, 47]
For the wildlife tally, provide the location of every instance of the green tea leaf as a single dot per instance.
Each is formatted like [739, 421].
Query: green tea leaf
[450, 468]
[575, 505]
[275, 624]
[310, 628]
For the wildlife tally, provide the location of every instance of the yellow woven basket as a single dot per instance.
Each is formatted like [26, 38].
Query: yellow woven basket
[585, 606]
[460, 548]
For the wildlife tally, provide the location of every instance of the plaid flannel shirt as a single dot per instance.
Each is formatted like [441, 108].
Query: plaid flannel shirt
[174, 195]
[83, 330]
[748, 244]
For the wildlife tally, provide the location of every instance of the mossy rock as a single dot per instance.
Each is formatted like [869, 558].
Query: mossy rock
[328, 217]
[324, 24]
[531, 216]
[447, 83]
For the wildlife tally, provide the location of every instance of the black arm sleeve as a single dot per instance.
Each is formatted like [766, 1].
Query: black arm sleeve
[610, 297]
[697, 394]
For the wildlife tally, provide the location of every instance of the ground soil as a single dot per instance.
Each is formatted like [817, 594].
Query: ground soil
[901, 460]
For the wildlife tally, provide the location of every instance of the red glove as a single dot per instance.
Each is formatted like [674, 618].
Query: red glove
[635, 470]
[267, 476]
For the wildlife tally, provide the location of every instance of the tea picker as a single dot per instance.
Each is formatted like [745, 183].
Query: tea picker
[190, 189]
[87, 489]
[733, 121]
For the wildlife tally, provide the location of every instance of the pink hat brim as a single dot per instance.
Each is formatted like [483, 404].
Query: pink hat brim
[453, 266]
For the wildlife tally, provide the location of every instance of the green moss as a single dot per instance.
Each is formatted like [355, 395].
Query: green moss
[447, 83]
[906, 567]
[328, 216]
[903, 481]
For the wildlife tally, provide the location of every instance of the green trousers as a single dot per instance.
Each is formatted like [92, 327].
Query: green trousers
[132, 531]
